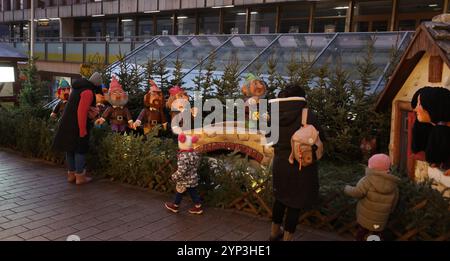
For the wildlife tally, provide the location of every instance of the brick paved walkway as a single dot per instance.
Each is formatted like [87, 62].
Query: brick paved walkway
[36, 203]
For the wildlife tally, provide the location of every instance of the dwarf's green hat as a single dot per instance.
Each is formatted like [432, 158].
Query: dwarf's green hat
[251, 77]
[64, 84]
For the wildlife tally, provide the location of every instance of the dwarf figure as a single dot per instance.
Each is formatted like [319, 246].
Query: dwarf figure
[118, 115]
[177, 103]
[153, 113]
[63, 94]
[253, 89]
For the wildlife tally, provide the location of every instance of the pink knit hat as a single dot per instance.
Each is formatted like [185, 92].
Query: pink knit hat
[115, 85]
[380, 162]
[154, 87]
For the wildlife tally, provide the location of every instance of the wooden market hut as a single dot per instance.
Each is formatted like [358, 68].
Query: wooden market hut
[426, 62]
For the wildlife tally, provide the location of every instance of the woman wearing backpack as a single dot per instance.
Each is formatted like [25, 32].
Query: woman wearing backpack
[295, 187]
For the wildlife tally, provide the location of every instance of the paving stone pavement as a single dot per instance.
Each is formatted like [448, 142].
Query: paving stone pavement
[37, 204]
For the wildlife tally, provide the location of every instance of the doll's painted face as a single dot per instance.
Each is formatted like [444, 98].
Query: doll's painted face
[178, 101]
[254, 88]
[422, 114]
[64, 93]
[117, 98]
[154, 99]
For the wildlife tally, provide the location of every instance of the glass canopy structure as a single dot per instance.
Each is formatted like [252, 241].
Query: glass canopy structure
[252, 52]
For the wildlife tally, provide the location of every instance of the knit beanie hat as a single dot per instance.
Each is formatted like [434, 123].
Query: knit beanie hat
[64, 84]
[175, 90]
[154, 87]
[96, 79]
[380, 162]
[115, 85]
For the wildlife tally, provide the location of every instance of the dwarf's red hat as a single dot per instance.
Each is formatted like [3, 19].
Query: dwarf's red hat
[154, 87]
[175, 90]
[115, 85]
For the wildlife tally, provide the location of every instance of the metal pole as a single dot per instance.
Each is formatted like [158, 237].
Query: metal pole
[32, 30]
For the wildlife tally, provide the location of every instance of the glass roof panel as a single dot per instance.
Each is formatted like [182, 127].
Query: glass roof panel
[253, 52]
[243, 47]
[382, 80]
[158, 49]
[349, 48]
[306, 46]
[195, 50]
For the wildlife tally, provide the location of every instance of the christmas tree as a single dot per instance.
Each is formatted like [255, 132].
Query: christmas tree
[30, 95]
[178, 74]
[162, 76]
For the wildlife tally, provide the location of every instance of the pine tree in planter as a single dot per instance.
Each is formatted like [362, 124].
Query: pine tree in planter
[368, 123]
[199, 78]
[274, 81]
[30, 95]
[305, 73]
[331, 98]
[228, 85]
[178, 75]
[162, 76]
[150, 70]
[299, 70]
[207, 87]
[257, 67]
[292, 69]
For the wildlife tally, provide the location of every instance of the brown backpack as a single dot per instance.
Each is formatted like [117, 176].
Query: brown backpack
[302, 143]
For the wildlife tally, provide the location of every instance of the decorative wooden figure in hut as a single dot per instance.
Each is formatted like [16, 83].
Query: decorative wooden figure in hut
[431, 130]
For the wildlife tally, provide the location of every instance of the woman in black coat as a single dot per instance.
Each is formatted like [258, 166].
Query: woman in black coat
[293, 189]
[72, 135]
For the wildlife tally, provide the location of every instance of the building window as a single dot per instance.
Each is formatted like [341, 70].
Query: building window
[372, 16]
[67, 2]
[186, 24]
[96, 30]
[362, 26]
[208, 23]
[379, 26]
[111, 29]
[330, 17]
[411, 13]
[329, 25]
[6, 5]
[234, 21]
[262, 20]
[145, 27]
[128, 28]
[47, 29]
[164, 25]
[420, 6]
[294, 19]
[407, 25]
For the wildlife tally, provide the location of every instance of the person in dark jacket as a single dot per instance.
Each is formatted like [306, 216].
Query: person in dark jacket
[72, 135]
[294, 190]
